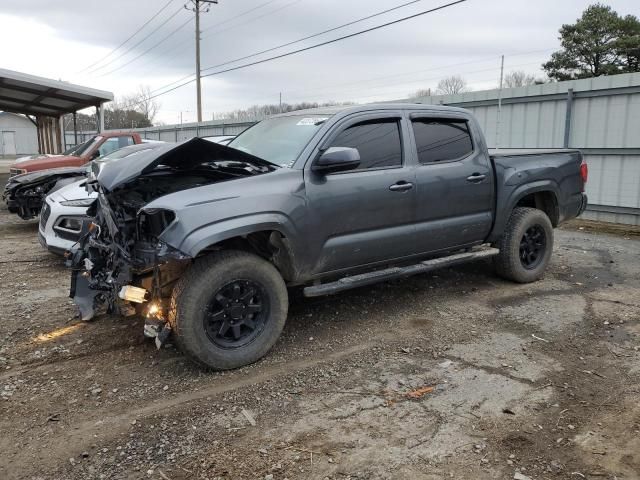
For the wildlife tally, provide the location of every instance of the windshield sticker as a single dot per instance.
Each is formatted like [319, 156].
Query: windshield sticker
[311, 121]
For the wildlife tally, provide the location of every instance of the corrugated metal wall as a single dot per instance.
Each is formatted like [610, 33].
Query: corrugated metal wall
[600, 116]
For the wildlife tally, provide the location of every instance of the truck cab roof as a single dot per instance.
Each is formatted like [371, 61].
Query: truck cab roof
[370, 107]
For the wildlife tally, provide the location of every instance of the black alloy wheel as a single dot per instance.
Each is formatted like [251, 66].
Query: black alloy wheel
[532, 247]
[236, 314]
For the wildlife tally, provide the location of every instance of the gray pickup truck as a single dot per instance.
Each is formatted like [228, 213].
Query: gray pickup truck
[204, 239]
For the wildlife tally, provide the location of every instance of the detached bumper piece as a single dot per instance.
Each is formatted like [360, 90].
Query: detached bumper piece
[398, 272]
[157, 329]
[83, 296]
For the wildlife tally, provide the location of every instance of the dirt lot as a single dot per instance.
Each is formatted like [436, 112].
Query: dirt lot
[453, 375]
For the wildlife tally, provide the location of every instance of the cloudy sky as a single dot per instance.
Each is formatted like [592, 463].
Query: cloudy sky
[74, 40]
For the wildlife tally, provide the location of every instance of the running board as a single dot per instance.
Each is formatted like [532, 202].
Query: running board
[397, 272]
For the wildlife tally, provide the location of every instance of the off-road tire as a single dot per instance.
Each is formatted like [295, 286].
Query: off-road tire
[193, 292]
[508, 262]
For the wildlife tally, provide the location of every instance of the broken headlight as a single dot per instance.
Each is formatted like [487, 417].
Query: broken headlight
[83, 202]
[70, 223]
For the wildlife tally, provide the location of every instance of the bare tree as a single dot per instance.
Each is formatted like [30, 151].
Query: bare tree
[519, 78]
[452, 85]
[423, 92]
[146, 105]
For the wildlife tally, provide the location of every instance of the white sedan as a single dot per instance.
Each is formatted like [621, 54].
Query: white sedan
[64, 218]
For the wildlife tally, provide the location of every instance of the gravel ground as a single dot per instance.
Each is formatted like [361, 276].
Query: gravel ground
[456, 374]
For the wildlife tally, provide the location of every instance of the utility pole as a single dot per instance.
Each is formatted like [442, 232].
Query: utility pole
[499, 102]
[280, 102]
[196, 9]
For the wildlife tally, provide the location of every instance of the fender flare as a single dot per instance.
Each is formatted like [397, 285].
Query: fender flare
[205, 236]
[504, 207]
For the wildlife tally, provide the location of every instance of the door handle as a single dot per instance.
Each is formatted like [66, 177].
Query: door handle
[476, 178]
[401, 186]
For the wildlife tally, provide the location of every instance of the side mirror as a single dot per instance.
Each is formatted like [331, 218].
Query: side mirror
[337, 159]
[95, 155]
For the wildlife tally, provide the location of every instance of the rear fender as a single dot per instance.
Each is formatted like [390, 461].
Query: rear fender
[505, 205]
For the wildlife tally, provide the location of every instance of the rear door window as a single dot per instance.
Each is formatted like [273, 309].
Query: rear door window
[440, 140]
[378, 142]
[110, 145]
[125, 141]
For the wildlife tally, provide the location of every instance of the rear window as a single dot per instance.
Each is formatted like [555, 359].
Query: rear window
[441, 140]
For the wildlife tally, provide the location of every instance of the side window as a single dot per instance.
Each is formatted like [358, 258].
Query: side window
[377, 141]
[125, 141]
[110, 145]
[441, 140]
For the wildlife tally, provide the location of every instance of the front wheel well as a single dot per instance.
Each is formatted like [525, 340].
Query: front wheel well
[271, 245]
[545, 201]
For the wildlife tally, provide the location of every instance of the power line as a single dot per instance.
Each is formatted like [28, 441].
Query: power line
[240, 15]
[187, 41]
[167, 20]
[357, 85]
[395, 75]
[308, 37]
[282, 7]
[130, 37]
[316, 34]
[311, 47]
[149, 49]
[224, 30]
[403, 93]
[336, 94]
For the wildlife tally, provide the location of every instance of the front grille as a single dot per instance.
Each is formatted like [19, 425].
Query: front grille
[44, 215]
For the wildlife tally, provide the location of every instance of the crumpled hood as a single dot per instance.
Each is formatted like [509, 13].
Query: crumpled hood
[42, 175]
[116, 172]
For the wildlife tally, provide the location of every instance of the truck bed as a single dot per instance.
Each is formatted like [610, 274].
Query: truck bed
[552, 170]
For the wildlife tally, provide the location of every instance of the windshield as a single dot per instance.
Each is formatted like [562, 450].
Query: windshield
[279, 140]
[79, 150]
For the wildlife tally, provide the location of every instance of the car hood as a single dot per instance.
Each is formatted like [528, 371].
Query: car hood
[41, 175]
[116, 172]
[73, 191]
[44, 163]
[37, 156]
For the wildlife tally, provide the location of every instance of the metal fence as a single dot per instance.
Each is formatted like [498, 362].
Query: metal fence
[176, 133]
[600, 116]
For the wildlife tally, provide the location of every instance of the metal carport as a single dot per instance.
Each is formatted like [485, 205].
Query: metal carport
[47, 101]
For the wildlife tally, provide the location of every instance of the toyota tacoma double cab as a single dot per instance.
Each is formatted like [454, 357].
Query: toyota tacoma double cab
[204, 239]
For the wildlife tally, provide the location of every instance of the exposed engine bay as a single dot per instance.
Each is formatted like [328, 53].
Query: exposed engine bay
[122, 266]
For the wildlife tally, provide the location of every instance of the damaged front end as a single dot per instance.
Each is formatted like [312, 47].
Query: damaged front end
[24, 194]
[123, 265]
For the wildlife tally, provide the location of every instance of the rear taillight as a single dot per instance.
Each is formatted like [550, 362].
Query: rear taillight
[584, 174]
